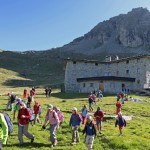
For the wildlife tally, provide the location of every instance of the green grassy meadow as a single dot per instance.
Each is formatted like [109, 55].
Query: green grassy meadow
[136, 136]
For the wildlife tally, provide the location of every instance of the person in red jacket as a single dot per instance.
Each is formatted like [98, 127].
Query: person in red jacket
[25, 93]
[118, 107]
[36, 111]
[23, 124]
[99, 115]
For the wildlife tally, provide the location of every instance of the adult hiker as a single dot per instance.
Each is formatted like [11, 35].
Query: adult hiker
[53, 119]
[23, 124]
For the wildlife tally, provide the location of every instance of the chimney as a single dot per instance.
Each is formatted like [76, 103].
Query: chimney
[117, 58]
[108, 58]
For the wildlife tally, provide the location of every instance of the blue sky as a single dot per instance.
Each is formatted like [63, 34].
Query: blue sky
[44, 24]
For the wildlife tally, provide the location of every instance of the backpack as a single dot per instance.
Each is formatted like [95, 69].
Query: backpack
[26, 111]
[9, 122]
[90, 100]
[60, 116]
[12, 98]
[40, 109]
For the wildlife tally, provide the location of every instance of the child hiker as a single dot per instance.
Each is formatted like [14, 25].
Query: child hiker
[31, 113]
[99, 115]
[120, 121]
[75, 122]
[53, 119]
[36, 111]
[84, 112]
[25, 93]
[90, 132]
[60, 115]
[90, 100]
[118, 107]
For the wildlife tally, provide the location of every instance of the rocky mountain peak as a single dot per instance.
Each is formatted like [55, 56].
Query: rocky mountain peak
[125, 33]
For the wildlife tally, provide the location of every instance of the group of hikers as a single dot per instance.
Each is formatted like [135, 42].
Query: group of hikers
[48, 91]
[55, 118]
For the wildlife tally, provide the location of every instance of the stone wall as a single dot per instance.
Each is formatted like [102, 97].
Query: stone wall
[109, 86]
[138, 68]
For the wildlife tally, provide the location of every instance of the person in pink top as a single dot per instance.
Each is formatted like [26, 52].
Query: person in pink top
[53, 119]
[60, 115]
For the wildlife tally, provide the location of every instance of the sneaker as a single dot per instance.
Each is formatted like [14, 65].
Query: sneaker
[51, 145]
[73, 143]
[55, 143]
[20, 144]
[32, 140]
[100, 132]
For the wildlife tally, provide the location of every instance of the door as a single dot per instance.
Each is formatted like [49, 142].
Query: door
[101, 86]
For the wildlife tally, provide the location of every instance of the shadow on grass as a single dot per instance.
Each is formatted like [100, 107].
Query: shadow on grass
[108, 104]
[4, 110]
[30, 145]
[69, 95]
[67, 111]
[108, 118]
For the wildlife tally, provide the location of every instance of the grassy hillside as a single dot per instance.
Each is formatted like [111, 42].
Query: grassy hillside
[31, 69]
[135, 136]
[40, 69]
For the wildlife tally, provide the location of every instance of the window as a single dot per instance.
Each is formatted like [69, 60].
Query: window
[138, 81]
[105, 73]
[112, 85]
[96, 64]
[109, 73]
[138, 60]
[117, 73]
[83, 84]
[123, 85]
[91, 84]
[127, 61]
[74, 62]
[127, 71]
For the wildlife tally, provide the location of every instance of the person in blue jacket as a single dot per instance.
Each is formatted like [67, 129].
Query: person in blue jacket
[75, 122]
[90, 131]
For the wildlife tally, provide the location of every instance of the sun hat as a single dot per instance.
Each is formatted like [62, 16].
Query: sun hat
[50, 106]
[89, 117]
[74, 109]
[120, 113]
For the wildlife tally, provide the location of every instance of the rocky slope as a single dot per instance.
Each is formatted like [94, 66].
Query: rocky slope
[124, 34]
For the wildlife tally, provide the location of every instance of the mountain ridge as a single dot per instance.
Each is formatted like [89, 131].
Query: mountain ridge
[125, 33]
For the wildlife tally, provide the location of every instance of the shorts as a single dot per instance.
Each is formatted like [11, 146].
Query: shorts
[98, 122]
[120, 127]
